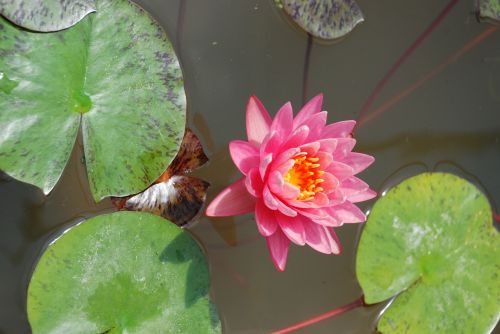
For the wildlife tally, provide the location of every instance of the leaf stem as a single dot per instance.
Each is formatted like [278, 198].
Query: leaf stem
[307, 63]
[435, 71]
[406, 54]
[336, 311]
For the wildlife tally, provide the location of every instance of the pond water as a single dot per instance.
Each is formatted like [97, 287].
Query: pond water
[439, 110]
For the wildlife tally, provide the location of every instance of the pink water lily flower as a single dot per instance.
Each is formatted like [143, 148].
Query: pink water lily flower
[298, 178]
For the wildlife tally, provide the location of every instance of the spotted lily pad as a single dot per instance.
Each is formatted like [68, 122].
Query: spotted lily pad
[46, 15]
[116, 74]
[326, 19]
[431, 242]
[174, 196]
[125, 272]
[489, 9]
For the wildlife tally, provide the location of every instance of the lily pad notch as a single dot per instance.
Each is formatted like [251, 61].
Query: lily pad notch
[431, 242]
[116, 74]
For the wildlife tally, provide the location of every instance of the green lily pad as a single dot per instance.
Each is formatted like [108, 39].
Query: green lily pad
[489, 9]
[46, 15]
[326, 19]
[116, 73]
[431, 240]
[125, 272]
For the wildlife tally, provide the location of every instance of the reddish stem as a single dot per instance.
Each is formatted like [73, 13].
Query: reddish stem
[496, 216]
[305, 73]
[336, 311]
[381, 84]
[436, 70]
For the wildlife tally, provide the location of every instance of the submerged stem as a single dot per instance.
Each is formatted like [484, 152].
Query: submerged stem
[305, 73]
[336, 311]
[406, 54]
[435, 71]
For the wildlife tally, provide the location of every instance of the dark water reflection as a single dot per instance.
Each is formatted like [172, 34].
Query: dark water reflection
[231, 49]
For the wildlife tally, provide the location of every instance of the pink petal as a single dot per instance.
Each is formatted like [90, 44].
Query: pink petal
[293, 228]
[320, 239]
[347, 213]
[258, 121]
[265, 219]
[336, 197]
[330, 182]
[283, 120]
[264, 164]
[319, 216]
[253, 182]
[234, 200]
[344, 147]
[269, 199]
[328, 145]
[340, 170]
[358, 161]
[334, 241]
[278, 245]
[285, 167]
[320, 200]
[310, 108]
[362, 196]
[245, 155]
[297, 137]
[285, 209]
[310, 148]
[281, 188]
[339, 129]
[285, 157]
[274, 203]
[325, 159]
[316, 123]
[353, 185]
[271, 143]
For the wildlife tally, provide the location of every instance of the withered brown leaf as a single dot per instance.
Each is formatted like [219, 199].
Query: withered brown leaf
[174, 196]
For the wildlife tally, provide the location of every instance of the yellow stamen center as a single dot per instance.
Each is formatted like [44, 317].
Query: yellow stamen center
[305, 174]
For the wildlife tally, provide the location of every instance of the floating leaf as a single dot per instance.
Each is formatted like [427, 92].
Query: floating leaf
[116, 73]
[125, 272]
[431, 240]
[46, 15]
[175, 197]
[327, 19]
[489, 9]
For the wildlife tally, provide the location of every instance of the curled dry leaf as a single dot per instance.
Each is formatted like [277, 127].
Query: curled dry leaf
[174, 196]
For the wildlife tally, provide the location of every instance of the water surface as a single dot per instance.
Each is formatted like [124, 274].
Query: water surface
[232, 49]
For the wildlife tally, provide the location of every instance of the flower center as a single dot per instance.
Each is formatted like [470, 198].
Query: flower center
[305, 174]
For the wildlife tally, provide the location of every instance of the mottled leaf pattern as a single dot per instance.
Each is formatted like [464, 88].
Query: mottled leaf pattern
[431, 240]
[489, 9]
[125, 272]
[117, 74]
[46, 15]
[174, 196]
[326, 19]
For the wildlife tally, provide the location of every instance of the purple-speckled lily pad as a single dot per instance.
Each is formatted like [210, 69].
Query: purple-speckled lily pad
[326, 19]
[46, 15]
[430, 241]
[489, 10]
[116, 75]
